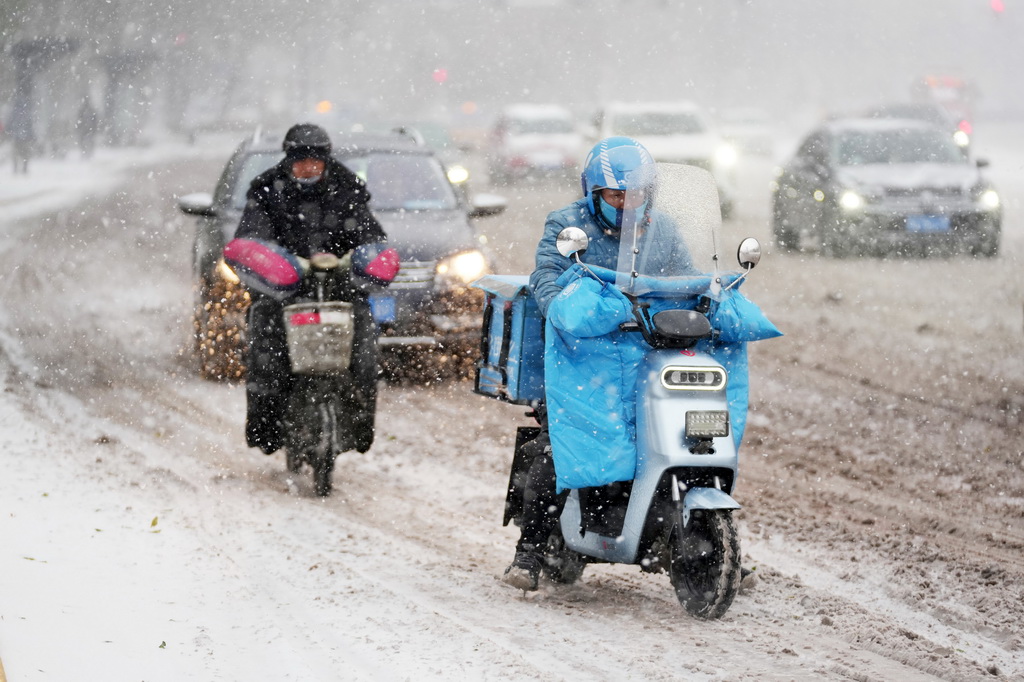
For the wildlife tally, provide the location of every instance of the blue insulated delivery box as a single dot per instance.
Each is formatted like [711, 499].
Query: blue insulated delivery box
[511, 366]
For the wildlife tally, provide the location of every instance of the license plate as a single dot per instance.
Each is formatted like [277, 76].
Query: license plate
[927, 223]
[382, 308]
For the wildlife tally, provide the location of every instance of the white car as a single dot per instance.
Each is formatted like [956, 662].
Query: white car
[674, 132]
[534, 139]
[749, 129]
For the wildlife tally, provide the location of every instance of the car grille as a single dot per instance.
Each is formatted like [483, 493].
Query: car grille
[414, 274]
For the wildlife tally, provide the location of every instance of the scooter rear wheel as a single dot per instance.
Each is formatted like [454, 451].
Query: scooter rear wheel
[705, 563]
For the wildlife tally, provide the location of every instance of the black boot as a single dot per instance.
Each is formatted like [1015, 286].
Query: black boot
[524, 571]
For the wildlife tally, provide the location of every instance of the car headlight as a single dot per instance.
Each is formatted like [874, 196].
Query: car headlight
[463, 268]
[961, 138]
[851, 201]
[226, 273]
[457, 174]
[989, 200]
[726, 156]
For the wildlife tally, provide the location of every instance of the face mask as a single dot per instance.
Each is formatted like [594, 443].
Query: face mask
[616, 217]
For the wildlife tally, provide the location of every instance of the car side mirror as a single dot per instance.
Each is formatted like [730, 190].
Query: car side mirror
[484, 205]
[198, 203]
[572, 241]
[982, 163]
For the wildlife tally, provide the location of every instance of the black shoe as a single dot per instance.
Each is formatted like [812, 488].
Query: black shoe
[262, 426]
[524, 571]
[266, 437]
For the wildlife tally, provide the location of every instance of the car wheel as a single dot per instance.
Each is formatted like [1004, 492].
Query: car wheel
[835, 240]
[987, 243]
[218, 322]
[782, 229]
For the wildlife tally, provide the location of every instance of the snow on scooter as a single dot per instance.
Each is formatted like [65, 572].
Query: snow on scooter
[640, 385]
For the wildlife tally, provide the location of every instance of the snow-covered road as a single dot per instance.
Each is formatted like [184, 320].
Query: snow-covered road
[882, 483]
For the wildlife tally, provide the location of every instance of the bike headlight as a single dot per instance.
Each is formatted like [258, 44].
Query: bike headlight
[851, 201]
[707, 424]
[464, 267]
[726, 156]
[989, 200]
[226, 273]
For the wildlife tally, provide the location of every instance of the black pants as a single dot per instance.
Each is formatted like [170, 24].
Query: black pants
[269, 372]
[542, 506]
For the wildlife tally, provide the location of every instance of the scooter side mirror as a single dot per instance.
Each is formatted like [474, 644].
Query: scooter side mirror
[572, 241]
[749, 253]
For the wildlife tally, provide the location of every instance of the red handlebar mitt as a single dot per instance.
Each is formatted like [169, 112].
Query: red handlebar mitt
[376, 263]
[264, 266]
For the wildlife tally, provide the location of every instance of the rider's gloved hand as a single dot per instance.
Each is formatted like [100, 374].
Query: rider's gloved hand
[587, 307]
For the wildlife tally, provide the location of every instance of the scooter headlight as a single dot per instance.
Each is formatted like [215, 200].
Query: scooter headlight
[705, 424]
[693, 378]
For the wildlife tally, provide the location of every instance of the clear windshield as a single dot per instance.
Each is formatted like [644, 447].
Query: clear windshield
[396, 181]
[672, 233]
[409, 182]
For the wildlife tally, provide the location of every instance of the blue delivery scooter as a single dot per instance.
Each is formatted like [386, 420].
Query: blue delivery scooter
[645, 420]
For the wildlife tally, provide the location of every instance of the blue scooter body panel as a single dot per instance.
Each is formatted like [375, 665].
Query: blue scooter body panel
[661, 445]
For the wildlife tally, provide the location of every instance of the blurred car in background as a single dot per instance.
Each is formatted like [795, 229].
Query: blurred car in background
[748, 129]
[452, 156]
[959, 130]
[429, 305]
[884, 187]
[531, 140]
[674, 132]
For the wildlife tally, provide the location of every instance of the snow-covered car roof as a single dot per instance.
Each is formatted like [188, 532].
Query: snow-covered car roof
[627, 107]
[536, 111]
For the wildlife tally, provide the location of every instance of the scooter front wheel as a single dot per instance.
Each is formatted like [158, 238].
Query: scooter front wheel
[705, 563]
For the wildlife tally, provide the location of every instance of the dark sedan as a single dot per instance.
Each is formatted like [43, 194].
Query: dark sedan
[884, 187]
[428, 306]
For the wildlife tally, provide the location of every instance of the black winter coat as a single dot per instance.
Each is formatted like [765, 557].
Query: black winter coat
[330, 216]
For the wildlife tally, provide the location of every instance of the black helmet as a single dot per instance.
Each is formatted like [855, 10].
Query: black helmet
[306, 141]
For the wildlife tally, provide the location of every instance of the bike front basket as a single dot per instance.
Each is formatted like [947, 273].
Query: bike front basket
[319, 336]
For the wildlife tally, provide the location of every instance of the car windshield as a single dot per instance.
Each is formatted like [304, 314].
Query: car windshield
[396, 181]
[862, 147]
[411, 182]
[657, 123]
[539, 126]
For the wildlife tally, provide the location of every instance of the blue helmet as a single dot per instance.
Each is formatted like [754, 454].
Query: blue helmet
[616, 163]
